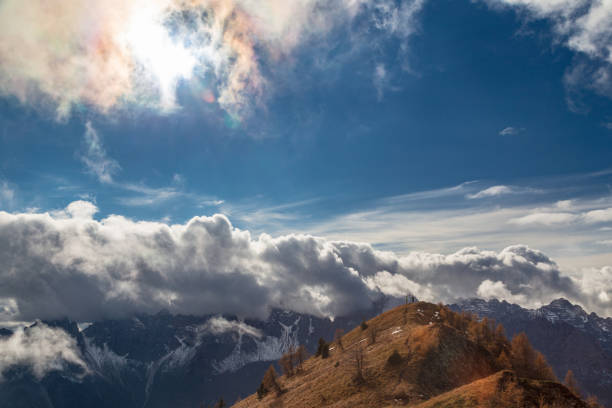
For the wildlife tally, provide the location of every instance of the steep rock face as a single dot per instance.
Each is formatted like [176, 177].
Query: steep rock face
[163, 360]
[568, 337]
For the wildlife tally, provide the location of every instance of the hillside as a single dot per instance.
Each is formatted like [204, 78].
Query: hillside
[438, 352]
[569, 337]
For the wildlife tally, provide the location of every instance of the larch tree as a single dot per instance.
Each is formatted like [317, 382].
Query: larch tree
[571, 383]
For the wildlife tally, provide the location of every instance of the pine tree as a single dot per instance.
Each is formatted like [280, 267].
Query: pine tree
[570, 383]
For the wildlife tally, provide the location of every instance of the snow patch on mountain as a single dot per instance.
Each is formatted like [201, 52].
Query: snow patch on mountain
[104, 361]
[268, 348]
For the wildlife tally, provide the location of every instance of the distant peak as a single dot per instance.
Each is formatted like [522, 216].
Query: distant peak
[561, 302]
[163, 312]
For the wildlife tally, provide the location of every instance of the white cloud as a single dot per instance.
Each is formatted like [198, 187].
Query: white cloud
[216, 48]
[509, 131]
[582, 26]
[380, 80]
[218, 325]
[598, 216]
[88, 269]
[41, 348]
[545, 218]
[498, 290]
[492, 192]
[95, 158]
[7, 194]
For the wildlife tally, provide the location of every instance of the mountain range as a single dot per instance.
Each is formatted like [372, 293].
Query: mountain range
[569, 338]
[163, 360]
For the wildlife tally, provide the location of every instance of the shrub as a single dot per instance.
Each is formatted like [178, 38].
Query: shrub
[261, 391]
[364, 325]
[322, 349]
[394, 359]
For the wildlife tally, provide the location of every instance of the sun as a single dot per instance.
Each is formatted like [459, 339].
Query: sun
[162, 56]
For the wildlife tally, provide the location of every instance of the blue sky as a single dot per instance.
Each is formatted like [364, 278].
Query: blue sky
[417, 126]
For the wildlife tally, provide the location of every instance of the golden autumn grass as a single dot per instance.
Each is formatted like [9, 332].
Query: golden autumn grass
[436, 361]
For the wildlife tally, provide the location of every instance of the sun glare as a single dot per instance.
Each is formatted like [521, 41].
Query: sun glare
[165, 58]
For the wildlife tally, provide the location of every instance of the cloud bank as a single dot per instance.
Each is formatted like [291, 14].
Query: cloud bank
[109, 54]
[67, 264]
[41, 348]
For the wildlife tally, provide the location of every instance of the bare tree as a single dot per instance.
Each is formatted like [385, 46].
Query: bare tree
[300, 355]
[338, 339]
[358, 365]
[286, 363]
[373, 334]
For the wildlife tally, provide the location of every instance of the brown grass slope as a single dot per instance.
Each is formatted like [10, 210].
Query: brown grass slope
[505, 389]
[438, 353]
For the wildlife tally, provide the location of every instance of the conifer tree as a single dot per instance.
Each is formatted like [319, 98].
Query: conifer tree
[570, 383]
[503, 360]
[542, 369]
[522, 356]
[269, 380]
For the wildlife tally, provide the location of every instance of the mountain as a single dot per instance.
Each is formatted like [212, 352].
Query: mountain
[419, 355]
[163, 360]
[568, 337]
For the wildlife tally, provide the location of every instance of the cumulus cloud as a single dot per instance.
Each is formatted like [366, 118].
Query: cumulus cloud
[74, 266]
[582, 26]
[110, 54]
[41, 348]
[497, 290]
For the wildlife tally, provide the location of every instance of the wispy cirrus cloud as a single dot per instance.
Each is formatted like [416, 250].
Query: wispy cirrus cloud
[583, 27]
[98, 163]
[95, 158]
[510, 131]
[501, 190]
[7, 194]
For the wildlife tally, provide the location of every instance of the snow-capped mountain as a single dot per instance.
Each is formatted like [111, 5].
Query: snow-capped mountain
[569, 338]
[164, 360]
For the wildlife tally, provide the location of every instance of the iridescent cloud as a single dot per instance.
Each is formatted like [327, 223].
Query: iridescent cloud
[107, 55]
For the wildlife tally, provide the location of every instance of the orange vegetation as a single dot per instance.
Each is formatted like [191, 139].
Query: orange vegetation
[422, 355]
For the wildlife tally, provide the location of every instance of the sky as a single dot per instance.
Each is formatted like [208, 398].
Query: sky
[231, 156]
